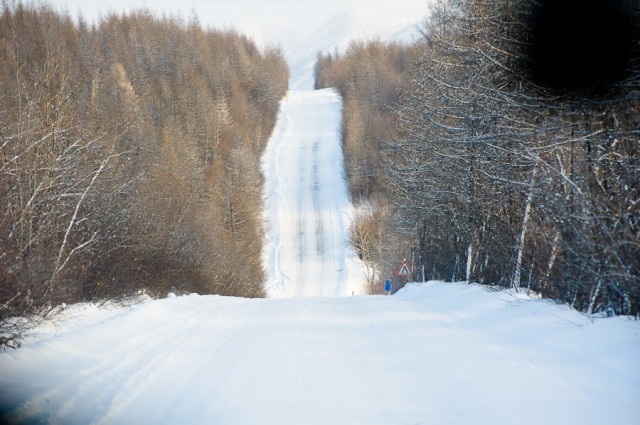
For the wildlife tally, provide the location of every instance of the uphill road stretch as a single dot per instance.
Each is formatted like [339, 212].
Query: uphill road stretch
[308, 212]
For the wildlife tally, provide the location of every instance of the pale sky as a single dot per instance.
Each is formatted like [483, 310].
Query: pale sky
[301, 27]
[268, 21]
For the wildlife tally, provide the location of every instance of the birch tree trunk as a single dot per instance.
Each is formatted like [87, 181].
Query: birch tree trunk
[515, 283]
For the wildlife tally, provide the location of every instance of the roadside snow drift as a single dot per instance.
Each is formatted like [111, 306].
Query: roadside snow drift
[308, 211]
[433, 354]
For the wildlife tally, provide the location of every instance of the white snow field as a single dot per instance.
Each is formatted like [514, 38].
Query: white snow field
[308, 211]
[435, 353]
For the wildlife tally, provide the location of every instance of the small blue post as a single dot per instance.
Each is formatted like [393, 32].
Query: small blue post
[387, 286]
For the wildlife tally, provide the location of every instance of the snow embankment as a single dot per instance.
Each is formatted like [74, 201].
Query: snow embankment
[435, 353]
[308, 212]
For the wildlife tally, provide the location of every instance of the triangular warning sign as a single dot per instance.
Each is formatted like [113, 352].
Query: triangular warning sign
[404, 269]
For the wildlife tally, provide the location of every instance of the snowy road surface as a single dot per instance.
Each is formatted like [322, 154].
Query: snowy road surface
[433, 354]
[308, 211]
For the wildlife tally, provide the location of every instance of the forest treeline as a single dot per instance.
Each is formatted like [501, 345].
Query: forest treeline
[129, 158]
[472, 156]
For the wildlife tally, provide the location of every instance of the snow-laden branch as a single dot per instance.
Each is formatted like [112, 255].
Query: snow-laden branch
[59, 265]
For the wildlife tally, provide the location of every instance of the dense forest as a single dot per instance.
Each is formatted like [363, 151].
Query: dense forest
[129, 158]
[503, 147]
[370, 78]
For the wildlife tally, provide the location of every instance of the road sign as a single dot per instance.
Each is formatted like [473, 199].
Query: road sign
[404, 269]
[387, 286]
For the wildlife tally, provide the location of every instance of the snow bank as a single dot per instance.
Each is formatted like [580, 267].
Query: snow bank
[435, 353]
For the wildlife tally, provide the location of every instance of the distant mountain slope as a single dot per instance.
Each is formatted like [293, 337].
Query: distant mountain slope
[357, 24]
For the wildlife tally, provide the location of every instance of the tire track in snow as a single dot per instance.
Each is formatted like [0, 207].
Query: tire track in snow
[168, 364]
[101, 390]
[308, 211]
[317, 207]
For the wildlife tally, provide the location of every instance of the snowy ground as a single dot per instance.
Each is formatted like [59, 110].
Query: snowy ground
[308, 211]
[433, 354]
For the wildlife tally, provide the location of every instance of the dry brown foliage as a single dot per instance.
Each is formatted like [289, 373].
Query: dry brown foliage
[129, 157]
[495, 173]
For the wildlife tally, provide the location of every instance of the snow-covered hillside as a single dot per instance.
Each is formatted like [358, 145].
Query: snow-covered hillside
[308, 211]
[433, 354]
[398, 23]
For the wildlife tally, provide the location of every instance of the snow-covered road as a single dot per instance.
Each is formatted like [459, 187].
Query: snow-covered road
[308, 211]
[433, 354]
